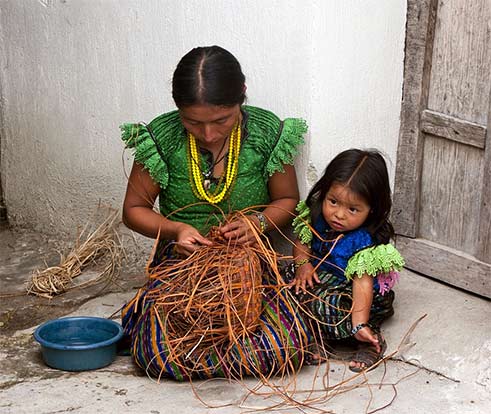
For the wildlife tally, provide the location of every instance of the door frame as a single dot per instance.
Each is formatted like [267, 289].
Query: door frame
[426, 257]
[3, 208]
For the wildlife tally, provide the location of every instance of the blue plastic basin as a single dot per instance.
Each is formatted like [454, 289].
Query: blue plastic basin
[78, 343]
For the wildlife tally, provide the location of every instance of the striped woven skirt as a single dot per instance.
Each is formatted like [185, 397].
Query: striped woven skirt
[276, 346]
[327, 307]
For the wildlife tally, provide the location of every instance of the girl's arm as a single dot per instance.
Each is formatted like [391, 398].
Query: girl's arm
[304, 270]
[283, 192]
[138, 214]
[362, 303]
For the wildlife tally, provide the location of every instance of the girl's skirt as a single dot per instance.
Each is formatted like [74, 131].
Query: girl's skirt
[327, 306]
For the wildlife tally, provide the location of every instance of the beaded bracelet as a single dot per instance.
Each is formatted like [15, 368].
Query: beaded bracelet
[300, 263]
[263, 224]
[359, 327]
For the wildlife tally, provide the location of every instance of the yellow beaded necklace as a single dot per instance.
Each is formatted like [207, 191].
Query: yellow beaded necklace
[230, 171]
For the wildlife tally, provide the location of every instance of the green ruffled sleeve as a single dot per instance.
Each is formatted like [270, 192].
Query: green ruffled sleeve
[153, 150]
[137, 137]
[276, 140]
[286, 149]
[301, 223]
[381, 259]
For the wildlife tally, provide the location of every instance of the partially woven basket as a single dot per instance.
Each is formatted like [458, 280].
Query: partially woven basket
[221, 312]
[213, 296]
[226, 295]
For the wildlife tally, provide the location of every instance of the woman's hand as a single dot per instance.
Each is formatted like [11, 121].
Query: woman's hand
[240, 230]
[189, 239]
[305, 276]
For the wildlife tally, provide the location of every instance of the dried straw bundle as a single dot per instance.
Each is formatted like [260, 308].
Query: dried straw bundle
[211, 297]
[92, 245]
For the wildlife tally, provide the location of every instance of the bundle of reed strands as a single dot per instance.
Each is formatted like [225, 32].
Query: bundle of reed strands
[209, 298]
[96, 244]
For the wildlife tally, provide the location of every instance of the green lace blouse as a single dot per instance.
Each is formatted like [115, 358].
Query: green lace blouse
[267, 144]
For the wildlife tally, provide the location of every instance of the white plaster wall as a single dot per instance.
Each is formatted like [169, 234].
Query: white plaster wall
[73, 70]
[357, 78]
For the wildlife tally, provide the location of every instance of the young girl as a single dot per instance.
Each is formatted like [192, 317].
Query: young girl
[344, 263]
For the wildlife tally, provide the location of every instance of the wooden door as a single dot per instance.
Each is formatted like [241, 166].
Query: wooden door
[3, 210]
[442, 195]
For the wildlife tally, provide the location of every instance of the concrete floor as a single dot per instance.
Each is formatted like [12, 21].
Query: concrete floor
[444, 366]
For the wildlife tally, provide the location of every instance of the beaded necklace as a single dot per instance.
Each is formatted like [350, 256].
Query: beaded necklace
[194, 163]
[207, 175]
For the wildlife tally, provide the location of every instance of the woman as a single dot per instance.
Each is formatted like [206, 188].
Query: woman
[209, 90]
[210, 157]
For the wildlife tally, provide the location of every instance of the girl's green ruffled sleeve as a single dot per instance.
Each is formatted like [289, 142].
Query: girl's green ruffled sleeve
[381, 259]
[286, 149]
[301, 223]
[137, 137]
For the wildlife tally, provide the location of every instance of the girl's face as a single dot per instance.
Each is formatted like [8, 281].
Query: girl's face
[343, 209]
[210, 124]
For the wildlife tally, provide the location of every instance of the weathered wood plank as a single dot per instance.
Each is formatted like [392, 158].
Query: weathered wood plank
[449, 127]
[445, 264]
[462, 60]
[484, 238]
[441, 190]
[450, 194]
[421, 16]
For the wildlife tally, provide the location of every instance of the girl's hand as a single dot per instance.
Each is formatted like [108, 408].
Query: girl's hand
[240, 231]
[366, 335]
[188, 239]
[305, 276]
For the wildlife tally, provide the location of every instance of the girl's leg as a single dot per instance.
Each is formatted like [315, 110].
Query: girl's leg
[329, 305]
[329, 309]
[382, 308]
[326, 309]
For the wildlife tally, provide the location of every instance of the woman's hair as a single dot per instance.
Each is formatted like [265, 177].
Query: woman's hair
[365, 173]
[208, 75]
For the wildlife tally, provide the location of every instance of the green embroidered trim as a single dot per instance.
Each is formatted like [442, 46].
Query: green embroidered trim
[170, 134]
[167, 130]
[278, 140]
[383, 258]
[287, 146]
[137, 137]
[301, 223]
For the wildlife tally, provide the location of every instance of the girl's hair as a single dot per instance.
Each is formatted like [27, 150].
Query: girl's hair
[208, 75]
[365, 173]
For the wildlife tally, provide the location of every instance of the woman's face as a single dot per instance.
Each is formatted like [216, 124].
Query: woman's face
[210, 124]
[343, 209]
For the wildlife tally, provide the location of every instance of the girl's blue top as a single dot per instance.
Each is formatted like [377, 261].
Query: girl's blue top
[345, 246]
